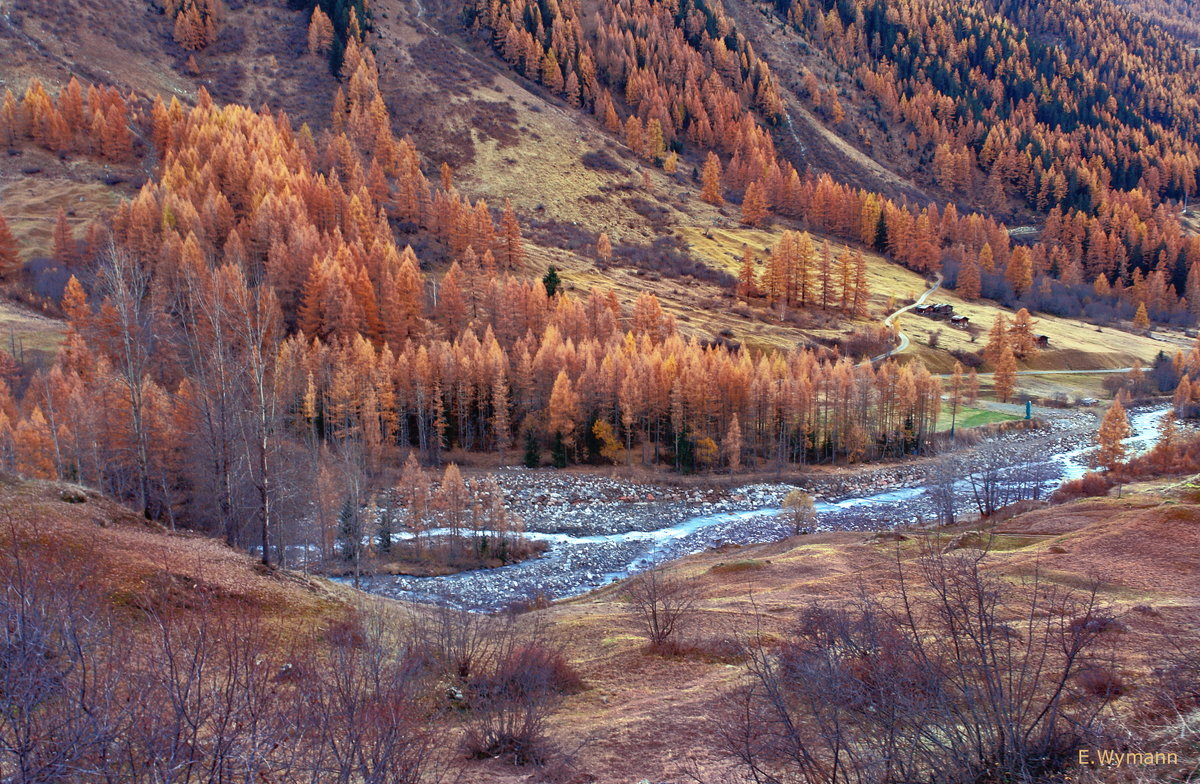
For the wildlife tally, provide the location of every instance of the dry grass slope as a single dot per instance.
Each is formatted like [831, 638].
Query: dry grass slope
[138, 563]
[649, 716]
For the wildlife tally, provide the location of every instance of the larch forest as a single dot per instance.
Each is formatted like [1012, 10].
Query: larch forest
[788, 391]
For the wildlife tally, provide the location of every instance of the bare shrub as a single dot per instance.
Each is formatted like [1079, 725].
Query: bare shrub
[205, 690]
[512, 698]
[457, 643]
[668, 255]
[506, 672]
[1098, 681]
[663, 604]
[1178, 677]
[714, 649]
[59, 673]
[961, 676]
[512, 702]
[1089, 485]
[369, 706]
[536, 600]
[599, 160]
[866, 342]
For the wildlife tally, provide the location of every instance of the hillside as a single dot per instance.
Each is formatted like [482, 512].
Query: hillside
[659, 330]
[463, 107]
[647, 715]
[124, 559]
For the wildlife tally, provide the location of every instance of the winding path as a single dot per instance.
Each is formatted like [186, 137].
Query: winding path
[887, 322]
[1092, 372]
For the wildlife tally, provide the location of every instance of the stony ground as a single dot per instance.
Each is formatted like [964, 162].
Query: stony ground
[602, 529]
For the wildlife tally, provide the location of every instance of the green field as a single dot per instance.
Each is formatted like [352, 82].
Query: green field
[969, 416]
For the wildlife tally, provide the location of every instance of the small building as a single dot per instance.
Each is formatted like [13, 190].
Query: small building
[959, 320]
[1043, 341]
[940, 311]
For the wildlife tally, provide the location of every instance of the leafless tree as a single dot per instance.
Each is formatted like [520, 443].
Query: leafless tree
[259, 325]
[960, 676]
[941, 485]
[130, 340]
[60, 705]
[208, 708]
[1002, 475]
[218, 394]
[662, 603]
[460, 643]
[367, 714]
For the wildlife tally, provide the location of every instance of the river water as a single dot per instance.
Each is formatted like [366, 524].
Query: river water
[577, 563]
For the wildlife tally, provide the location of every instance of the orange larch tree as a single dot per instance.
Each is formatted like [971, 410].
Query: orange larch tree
[1114, 429]
[10, 257]
[710, 178]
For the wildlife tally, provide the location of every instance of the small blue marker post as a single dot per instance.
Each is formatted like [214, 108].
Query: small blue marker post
[1029, 409]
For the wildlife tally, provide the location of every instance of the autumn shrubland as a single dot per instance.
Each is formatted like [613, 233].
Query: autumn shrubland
[596, 686]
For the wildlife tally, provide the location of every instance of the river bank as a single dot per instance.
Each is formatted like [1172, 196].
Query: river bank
[601, 529]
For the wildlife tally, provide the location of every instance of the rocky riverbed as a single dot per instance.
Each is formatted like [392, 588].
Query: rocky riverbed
[602, 529]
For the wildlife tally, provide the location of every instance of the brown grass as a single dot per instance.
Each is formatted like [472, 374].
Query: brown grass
[648, 712]
[139, 564]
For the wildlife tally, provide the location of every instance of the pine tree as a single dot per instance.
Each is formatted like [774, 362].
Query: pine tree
[1004, 380]
[414, 492]
[1020, 271]
[754, 206]
[610, 446]
[968, 285]
[1182, 399]
[986, 258]
[116, 141]
[635, 137]
[501, 427]
[825, 273]
[385, 531]
[862, 294]
[604, 248]
[997, 340]
[845, 280]
[1141, 319]
[349, 531]
[34, 447]
[533, 452]
[190, 30]
[64, 251]
[320, 32]
[563, 408]
[1114, 429]
[731, 446]
[710, 179]
[510, 230]
[559, 457]
[1165, 449]
[452, 305]
[551, 282]
[1021, 336]
[453, 498]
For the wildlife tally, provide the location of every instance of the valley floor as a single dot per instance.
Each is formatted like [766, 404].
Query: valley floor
[601, 529]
